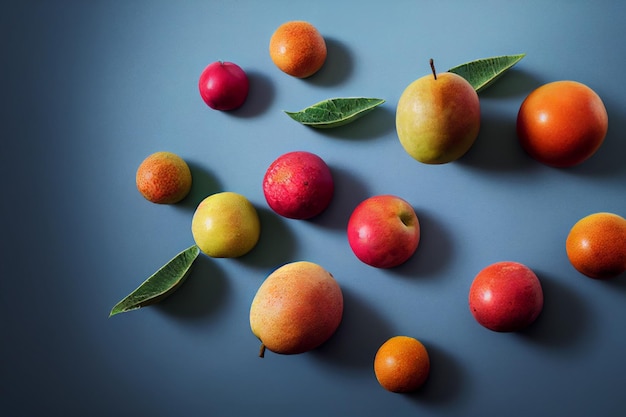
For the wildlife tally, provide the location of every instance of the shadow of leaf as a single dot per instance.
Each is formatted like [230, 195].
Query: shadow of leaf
[514, 83]
[377, 123]
[201, 295]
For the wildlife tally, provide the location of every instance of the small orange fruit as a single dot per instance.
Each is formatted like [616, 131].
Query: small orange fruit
[562, 123]
[596, 245]
[298, 49]
[163, 178]
[402, 364]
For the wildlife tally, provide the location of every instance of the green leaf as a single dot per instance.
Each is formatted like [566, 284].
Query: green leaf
[335, 111]
[481, 73]
[161, 284]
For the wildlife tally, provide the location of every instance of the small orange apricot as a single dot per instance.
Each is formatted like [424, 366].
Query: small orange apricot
[297, 48]
[402, 364]
[596, 245]
[163, 178]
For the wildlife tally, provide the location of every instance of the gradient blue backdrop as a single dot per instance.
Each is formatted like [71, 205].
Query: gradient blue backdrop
[89, 89]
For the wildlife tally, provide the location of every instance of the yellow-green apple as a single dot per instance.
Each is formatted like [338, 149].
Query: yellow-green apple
[438, 117]
[298, 185]
[298, 307]
[225, 225]
[383, 231]
[223, 86]
[506, 297]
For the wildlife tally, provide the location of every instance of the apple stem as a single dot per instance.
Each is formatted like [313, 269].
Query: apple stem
[262, 351]
[432, 67]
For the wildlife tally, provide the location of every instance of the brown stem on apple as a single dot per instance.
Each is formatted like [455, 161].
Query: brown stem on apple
[262, 351]
[432, 67]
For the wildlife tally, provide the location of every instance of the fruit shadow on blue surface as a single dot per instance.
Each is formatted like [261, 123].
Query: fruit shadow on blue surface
[608, 161]
[497, 147]
[447, 380]
[338, 66]
[616, 284]
[203, 184]
[260, 96]
[360, 334]
[377, 123]
[349, 192]
[435, 250]
[516, 82]
[277, 243]
[201, 295]
[565, 320]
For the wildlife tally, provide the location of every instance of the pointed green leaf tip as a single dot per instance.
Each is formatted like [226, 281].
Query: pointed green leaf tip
[481, 73]
[161, 284]
[335, 111]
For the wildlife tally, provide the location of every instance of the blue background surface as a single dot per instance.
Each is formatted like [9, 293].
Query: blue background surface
[91, 88]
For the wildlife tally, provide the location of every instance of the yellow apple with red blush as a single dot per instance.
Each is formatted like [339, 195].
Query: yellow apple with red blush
[384, 231]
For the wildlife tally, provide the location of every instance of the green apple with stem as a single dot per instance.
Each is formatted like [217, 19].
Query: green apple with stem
[225, 225]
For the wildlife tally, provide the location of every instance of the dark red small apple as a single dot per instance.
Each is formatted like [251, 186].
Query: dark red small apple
[298, 185]
[223, 86]
[506, 297]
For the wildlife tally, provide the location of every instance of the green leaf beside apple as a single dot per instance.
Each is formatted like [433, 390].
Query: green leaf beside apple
[224, 225]
[334, 112]
[438, 117]
[160, 284]
[481, 73]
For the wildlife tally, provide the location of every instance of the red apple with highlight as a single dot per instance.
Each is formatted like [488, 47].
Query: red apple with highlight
[223, 86]
[298, 185]
[383, 231]
[506, 297]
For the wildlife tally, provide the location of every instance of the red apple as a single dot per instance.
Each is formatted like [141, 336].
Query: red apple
[506, 297]
[298, 185]
[383, 231]
[223, 86]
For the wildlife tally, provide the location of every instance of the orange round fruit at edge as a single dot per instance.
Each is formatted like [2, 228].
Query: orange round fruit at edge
[402, 364]
[163, 178]
[562, 123]
[298, 49]
[596, 245]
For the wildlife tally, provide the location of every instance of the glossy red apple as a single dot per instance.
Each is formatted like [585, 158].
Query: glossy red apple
[223, 86]
[383, 231]
[506, 297]
[298, 185]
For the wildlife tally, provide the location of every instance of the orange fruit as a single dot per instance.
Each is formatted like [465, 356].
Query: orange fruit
[562, 123]
[163, 178]
[596, 245]
[402, 364]
[298, 49]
